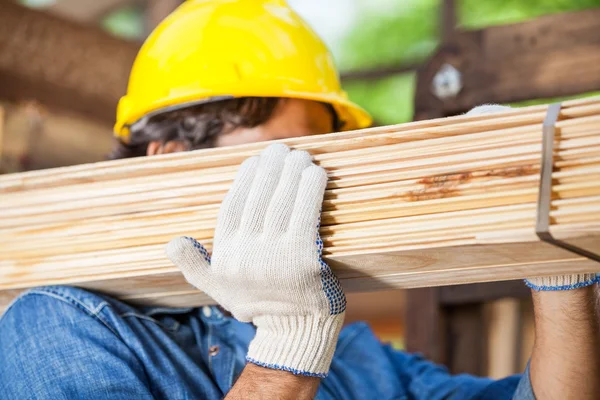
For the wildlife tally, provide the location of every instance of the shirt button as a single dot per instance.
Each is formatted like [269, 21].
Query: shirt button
[213, 351]
[206, 311]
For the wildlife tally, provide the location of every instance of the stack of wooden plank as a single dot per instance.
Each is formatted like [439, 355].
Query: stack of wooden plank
[425, 203]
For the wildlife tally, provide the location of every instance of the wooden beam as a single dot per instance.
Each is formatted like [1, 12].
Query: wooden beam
[422, 204]
[379, 72]
[551, 56]
[448, 20]
[86, 11]
[62, 64]
[37, 139]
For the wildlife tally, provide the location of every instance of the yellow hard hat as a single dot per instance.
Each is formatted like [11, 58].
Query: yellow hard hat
[209, 50]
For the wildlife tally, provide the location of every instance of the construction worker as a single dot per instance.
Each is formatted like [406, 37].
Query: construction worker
[227, 72]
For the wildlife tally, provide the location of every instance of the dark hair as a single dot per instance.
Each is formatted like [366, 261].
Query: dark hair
[197, 126]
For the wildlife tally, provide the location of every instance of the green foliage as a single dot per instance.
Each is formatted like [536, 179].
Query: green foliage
[391, 38]
[375, 96]
[411, 35]
[126, 22]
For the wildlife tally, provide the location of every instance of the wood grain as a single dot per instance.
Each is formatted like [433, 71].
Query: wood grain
[430, 203]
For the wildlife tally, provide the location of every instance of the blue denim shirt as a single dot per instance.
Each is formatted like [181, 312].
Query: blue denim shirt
[67, 343]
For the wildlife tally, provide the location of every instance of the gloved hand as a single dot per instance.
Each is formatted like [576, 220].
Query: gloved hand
[266, 264]
[543, 283]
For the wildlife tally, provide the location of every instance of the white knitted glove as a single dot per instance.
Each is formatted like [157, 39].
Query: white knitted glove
[543, 283]
[266, 265]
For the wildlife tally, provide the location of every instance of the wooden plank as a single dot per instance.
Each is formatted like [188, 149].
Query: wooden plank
[367, 272]
[551, 56]
[62, 64]
[371, 272]
[503, 328]
[414, 205]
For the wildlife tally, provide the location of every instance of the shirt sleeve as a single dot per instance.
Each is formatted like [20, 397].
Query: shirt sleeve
[427, 380]
[524, 389]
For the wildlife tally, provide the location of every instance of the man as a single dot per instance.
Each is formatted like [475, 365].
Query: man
[228, 72]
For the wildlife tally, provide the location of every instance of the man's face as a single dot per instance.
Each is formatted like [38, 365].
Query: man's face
[291, 118]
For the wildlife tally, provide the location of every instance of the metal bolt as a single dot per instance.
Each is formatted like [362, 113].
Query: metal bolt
[447, 82]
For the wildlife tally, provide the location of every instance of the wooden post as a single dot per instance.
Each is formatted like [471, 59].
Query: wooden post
[466, 339]
[425, 324]
[503, 320]
[448, 20]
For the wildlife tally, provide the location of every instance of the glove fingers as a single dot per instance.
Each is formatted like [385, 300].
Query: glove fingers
[192, 259]
[281, 206]
[232, 207]
[309, 200]
[263, 187]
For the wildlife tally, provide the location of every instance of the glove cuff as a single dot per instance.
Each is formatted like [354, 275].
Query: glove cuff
[562, 282]
[302, 345]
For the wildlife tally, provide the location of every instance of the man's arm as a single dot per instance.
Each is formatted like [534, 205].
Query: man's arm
[267, 269]
[264, 383]
[565, 363]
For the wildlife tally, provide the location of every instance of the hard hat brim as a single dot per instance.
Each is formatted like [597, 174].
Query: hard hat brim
[352, 115]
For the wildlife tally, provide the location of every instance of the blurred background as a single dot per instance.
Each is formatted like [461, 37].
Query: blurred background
[378, 46]
[65, 63]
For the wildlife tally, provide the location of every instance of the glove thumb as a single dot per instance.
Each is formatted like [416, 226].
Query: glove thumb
[192, 259]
